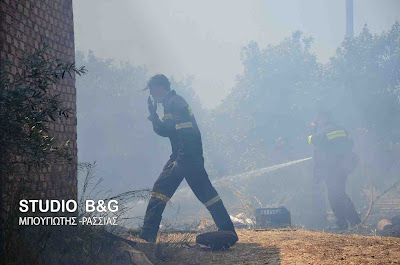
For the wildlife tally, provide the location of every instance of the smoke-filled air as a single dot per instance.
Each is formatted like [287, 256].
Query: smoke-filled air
[293, 107]
[256, 75]
[199, 132]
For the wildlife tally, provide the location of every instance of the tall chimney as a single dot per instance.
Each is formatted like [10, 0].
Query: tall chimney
[349, 19]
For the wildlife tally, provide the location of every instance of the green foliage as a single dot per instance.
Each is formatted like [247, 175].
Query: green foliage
[27, 105]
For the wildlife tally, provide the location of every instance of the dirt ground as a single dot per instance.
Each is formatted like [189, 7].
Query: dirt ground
[278, 247]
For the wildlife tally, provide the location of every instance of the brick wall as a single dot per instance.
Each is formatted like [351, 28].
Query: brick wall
[25, 25]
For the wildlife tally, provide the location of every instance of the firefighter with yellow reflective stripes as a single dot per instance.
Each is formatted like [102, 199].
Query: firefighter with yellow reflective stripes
[333, 161]
[186, 160]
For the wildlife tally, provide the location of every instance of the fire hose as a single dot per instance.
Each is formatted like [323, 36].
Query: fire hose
[371, 200]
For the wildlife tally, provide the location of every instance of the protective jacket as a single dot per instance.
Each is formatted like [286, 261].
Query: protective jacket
[332, 150]
[332, 140]
[180, 126]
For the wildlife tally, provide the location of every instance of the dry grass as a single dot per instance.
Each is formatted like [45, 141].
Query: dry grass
[279, 247]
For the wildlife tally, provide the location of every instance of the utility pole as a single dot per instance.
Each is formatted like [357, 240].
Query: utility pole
[349, 19]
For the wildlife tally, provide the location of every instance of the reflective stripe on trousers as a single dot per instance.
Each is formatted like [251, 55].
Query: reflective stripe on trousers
[160, 196]
[212, 201]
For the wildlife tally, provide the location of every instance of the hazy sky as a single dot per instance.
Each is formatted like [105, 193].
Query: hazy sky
[204, 38]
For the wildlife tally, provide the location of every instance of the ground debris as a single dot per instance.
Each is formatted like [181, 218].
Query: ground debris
[291, 247]
[125, 254]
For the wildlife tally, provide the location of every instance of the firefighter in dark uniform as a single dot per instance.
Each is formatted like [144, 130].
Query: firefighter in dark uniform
[186, 160]
[333, 161]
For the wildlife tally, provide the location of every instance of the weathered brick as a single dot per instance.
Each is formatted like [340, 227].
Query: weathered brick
[25, 25]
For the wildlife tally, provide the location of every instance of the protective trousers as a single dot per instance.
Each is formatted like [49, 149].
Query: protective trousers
[342, 206]
[171, 177]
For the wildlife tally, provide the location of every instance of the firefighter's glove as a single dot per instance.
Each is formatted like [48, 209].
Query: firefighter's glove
[152, 108]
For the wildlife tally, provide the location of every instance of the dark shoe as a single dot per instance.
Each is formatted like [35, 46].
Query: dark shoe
[218, 240]
[233, 232]
[228, 228]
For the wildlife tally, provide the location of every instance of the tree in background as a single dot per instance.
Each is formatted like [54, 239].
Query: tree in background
[267, 114]
[363, 88]
[265, 118]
